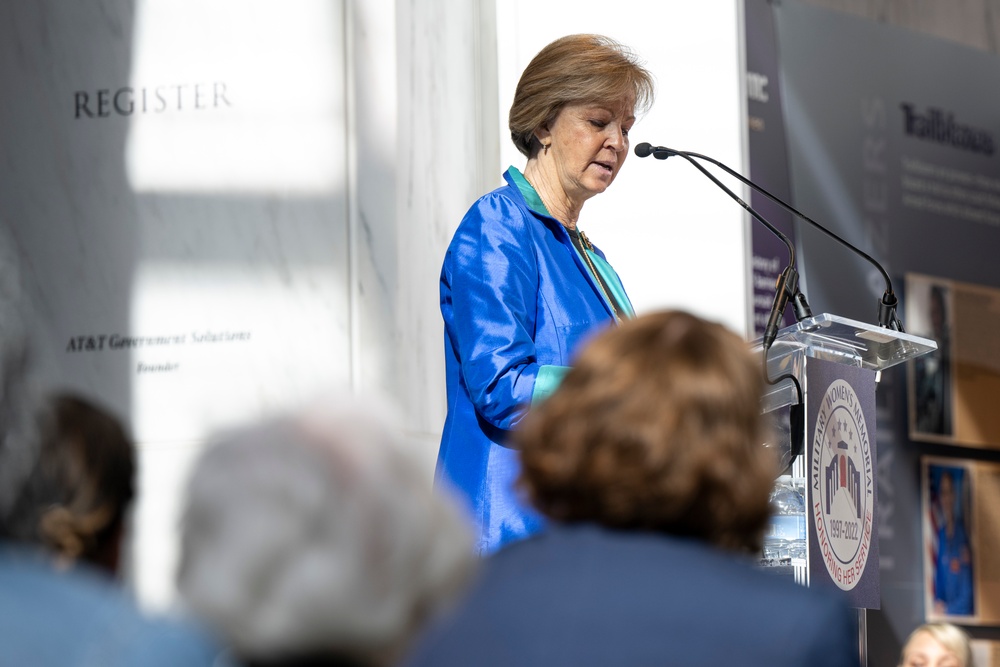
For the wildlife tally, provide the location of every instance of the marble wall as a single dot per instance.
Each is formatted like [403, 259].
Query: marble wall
[175, 181]
[224, 207]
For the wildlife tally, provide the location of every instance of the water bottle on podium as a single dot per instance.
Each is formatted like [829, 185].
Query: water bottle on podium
[785, 538]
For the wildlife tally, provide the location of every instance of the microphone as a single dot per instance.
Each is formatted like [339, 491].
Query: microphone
[787, 285]
[645, 149]
[887, 304]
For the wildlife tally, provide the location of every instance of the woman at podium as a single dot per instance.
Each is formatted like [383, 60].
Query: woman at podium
[522, 286]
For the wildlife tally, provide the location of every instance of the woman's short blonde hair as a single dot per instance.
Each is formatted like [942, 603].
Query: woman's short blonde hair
[576, 69]
[952, 637]
[657, 427]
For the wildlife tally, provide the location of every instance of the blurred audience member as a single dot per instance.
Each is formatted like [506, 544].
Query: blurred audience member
[317, 539]
[75, 501]
[649, 461]
[54, 612]
[937, 645]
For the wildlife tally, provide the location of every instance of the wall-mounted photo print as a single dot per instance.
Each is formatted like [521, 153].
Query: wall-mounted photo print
[932, 371]
[961, 528]
[954, 391]
[950, 550]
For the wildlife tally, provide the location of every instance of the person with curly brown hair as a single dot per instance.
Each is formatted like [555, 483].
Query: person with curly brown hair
[648, 460]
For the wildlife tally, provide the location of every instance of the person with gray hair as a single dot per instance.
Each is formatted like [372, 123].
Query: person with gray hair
[317, 539]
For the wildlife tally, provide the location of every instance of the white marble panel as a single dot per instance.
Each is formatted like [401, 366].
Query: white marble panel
[182, 281]
[446, 158]
[374, 136]
[175, 179]
[163, 470]
[237, 96]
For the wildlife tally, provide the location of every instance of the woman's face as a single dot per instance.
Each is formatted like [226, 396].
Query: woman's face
[925, 651]
[588, 144]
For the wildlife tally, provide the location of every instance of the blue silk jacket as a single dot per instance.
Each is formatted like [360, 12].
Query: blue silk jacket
[518, 300]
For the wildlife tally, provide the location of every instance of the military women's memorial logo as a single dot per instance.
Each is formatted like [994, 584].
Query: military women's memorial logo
[842, 485]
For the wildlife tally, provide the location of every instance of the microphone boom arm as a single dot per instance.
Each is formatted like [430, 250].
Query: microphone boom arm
[661, 153]
[887, 304]
[787, 284]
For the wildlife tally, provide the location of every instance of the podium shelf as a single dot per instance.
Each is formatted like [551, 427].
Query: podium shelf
[837, 339]
[847, 341]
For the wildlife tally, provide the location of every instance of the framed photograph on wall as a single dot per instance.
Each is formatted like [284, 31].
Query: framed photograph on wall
[949, 562]
[953, 391]
[961, 540]
[931, 409]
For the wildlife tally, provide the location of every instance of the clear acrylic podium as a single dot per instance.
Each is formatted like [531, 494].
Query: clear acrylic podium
[834, 354]
[837, 339]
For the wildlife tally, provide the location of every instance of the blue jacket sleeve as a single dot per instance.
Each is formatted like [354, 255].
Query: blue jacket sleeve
[489, 294]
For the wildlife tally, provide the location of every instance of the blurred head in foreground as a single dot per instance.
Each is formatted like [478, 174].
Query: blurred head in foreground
[76, 498]
[317, 539]
[937, 645]
[657, 427]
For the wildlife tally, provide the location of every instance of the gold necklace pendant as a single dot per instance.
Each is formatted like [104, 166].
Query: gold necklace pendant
[597, 277]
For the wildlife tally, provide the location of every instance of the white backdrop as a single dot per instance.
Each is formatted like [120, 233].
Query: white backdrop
[675, 239]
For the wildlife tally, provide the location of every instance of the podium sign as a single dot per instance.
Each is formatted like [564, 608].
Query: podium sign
[842, 514]
[837, 362]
